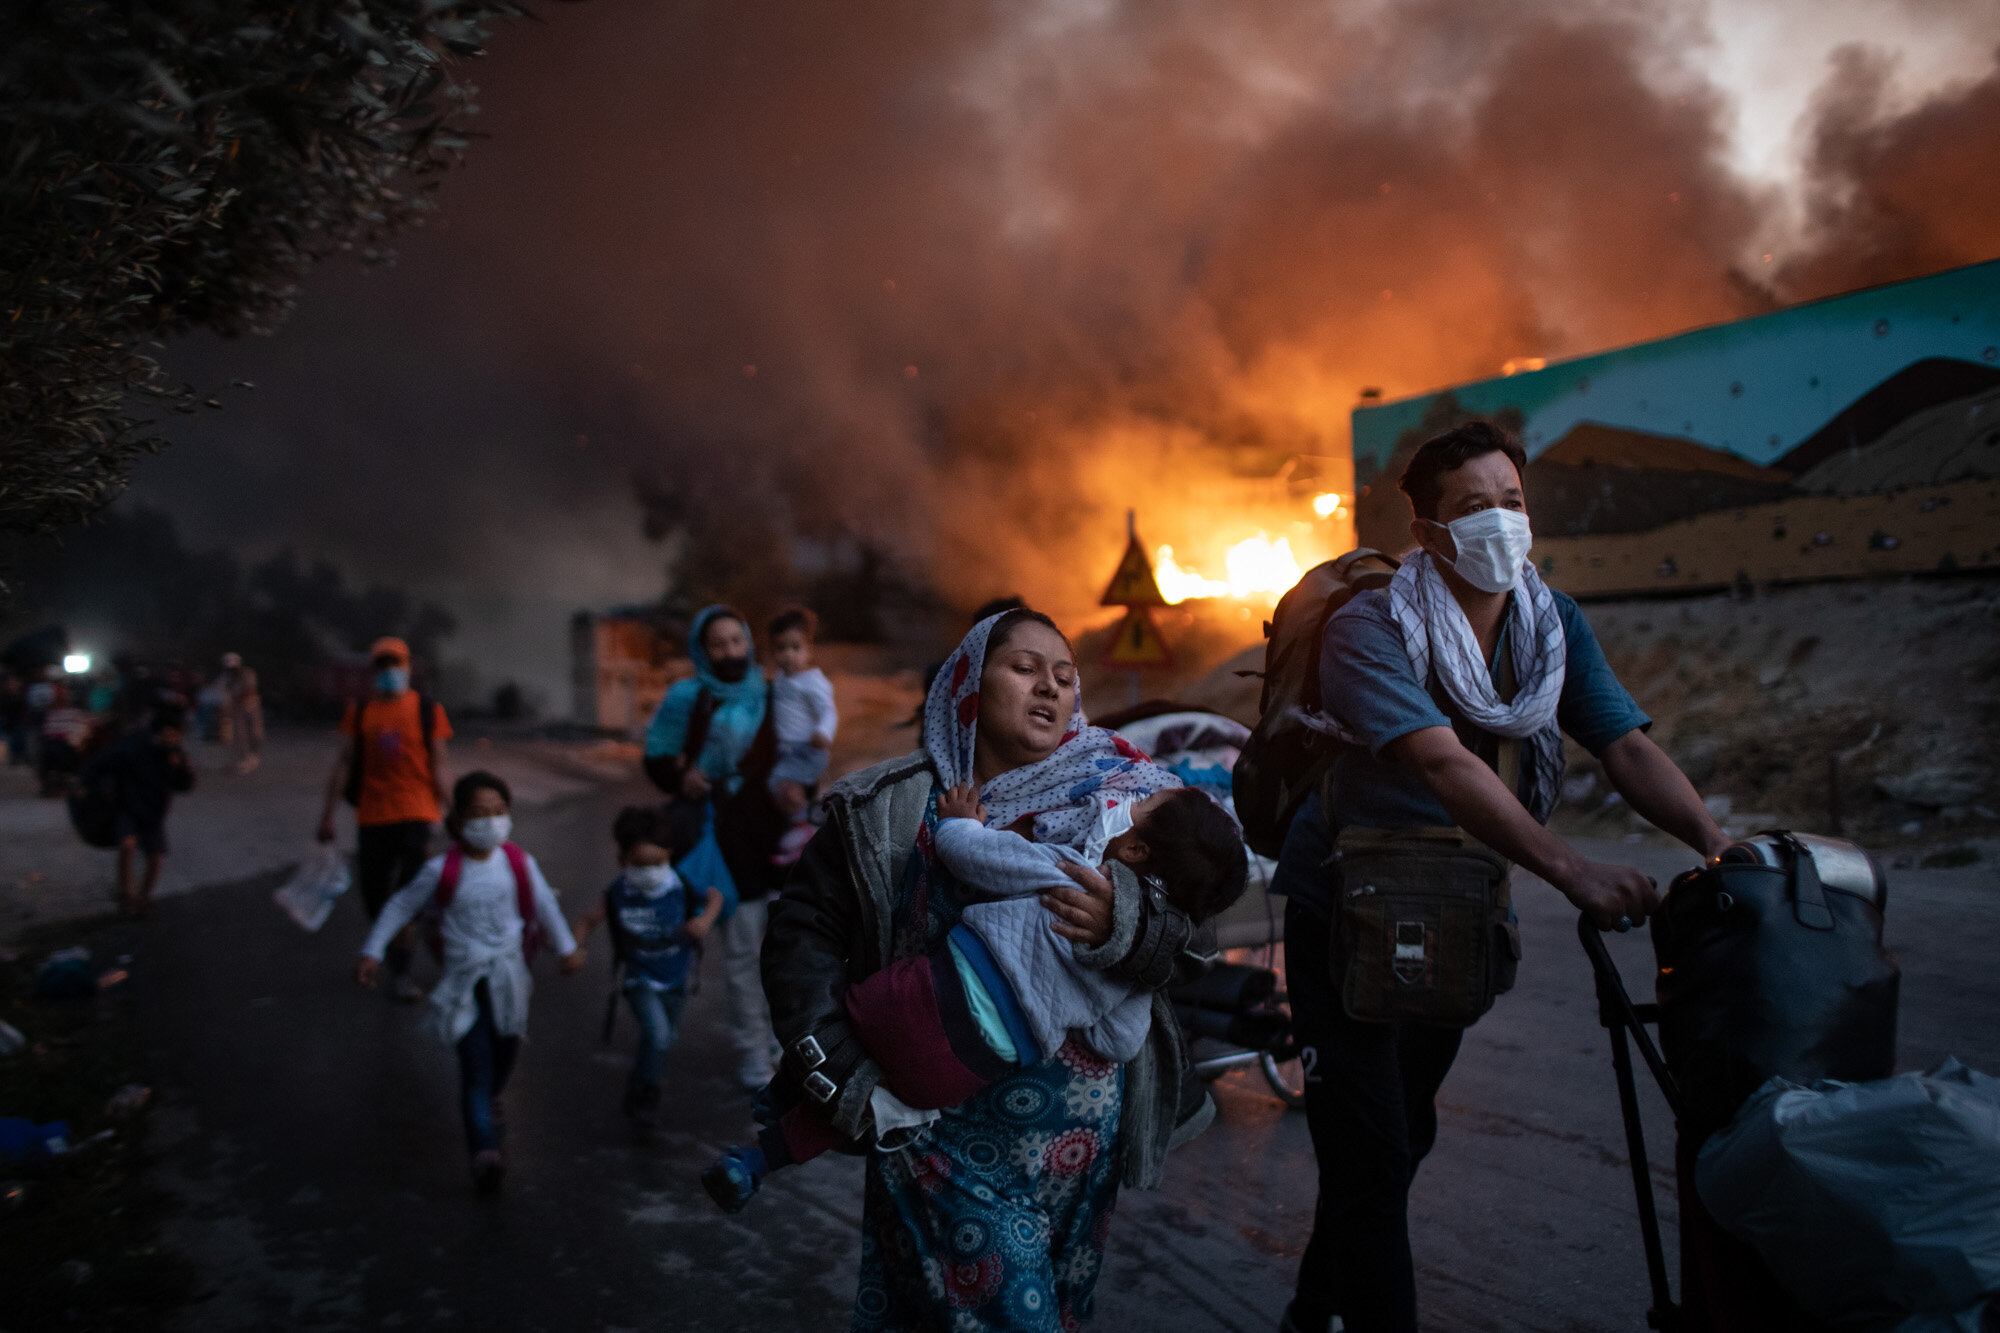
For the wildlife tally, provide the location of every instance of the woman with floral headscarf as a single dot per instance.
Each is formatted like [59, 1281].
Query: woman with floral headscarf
[997, 1217]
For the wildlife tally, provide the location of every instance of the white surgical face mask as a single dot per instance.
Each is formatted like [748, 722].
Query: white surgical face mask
[649, 880]
[483, 835]
[1491, 546]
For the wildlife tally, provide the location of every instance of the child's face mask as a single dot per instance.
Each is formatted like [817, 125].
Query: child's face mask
[392, 680]
[649, 880]
[483, 835]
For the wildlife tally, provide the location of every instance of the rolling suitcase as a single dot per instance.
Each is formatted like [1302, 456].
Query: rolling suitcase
[1770, 963]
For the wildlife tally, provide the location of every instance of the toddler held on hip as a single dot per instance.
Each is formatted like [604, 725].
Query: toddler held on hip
[803, 721]
[1004, 990]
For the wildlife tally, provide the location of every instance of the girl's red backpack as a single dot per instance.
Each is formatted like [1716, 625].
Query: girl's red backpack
[447, 888]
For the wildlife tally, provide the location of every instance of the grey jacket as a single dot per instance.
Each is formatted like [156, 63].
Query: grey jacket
[831, 926]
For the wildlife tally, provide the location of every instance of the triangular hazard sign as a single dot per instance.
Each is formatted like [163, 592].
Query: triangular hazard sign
[1137, 642]
[1133, 584]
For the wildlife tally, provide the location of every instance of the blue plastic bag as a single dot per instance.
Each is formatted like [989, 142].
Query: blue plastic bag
[703, 867]
[1875, 1204]
[25, 1138]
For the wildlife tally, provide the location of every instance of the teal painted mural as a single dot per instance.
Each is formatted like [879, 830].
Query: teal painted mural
[1784, 390]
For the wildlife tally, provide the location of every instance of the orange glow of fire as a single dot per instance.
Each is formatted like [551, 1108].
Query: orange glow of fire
[1326, 505]
[1256, 568]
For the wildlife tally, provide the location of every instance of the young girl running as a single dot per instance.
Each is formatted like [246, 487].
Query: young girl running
[488, 914]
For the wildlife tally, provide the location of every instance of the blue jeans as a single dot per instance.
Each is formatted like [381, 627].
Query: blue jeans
[485, 1059]
[659, 1016]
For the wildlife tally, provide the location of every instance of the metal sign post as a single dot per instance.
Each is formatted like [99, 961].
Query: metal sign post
[1137, 643]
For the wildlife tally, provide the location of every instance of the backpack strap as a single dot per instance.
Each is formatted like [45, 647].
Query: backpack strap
[620, 946]
[524, 900]
[427, 726]
[352, 792]
[761, 756]
[700, 715]
[447, 889]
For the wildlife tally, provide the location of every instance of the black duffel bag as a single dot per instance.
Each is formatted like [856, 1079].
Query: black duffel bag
[1771, 963]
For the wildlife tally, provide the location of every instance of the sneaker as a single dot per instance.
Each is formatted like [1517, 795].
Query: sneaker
[406, 990]
[487, 1169]
[731, 1182]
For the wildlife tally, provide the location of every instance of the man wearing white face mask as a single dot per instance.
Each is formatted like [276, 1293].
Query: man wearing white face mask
[1454, 688]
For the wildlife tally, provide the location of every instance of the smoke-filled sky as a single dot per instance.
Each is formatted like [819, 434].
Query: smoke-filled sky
[963, 281]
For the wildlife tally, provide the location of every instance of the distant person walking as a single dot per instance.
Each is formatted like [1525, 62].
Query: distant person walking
[391, 769]
[65, 738]
[145, 768]
[42, 694]
[244, 709]
[713, 741]
[14, 717]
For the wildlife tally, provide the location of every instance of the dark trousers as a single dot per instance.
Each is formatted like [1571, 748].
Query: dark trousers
[386, 857]
[485, 1059]
[1371, 1092]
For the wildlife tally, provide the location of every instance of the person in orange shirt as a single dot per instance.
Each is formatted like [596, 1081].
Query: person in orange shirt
[391, 769]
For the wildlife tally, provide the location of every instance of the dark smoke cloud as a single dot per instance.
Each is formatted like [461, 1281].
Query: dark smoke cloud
[962, 282]
[1894, 196]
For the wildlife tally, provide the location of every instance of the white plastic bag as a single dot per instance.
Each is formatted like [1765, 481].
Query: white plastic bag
[308, 895]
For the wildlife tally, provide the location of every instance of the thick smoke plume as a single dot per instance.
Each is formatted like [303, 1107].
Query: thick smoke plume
[959, 284]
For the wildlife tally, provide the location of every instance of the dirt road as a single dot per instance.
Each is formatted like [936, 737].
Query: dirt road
[312, 1129]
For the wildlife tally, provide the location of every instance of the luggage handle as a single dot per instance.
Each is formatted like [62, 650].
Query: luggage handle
[1616, 1012]
[1808, 894]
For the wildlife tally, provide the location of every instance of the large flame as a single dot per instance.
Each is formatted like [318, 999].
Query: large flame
[1256, 568]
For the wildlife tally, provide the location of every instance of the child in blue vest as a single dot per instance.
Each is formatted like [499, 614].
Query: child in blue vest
[488, 907]
[657, 926]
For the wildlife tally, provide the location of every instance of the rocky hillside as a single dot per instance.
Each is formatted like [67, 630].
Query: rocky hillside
[1882, 699]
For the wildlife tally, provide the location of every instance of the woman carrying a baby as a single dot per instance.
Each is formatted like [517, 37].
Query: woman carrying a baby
[995, 1214]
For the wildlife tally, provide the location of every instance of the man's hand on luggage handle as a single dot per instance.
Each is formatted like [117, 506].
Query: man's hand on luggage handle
[365, 969]
[1608, 894]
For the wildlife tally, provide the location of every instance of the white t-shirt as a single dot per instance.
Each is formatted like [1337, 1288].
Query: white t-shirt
[802, 705]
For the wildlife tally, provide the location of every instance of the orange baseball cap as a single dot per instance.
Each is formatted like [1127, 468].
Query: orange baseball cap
[390, 647]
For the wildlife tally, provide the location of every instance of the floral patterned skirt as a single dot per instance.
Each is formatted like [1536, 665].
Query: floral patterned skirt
[997, 1218]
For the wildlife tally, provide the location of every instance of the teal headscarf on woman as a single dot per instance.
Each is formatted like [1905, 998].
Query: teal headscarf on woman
[739, 706]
